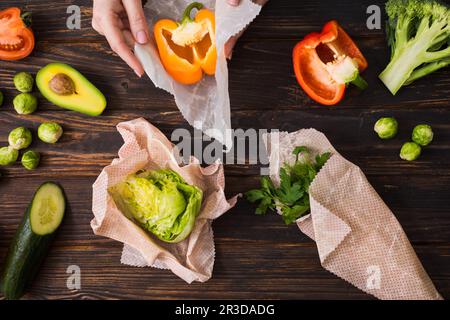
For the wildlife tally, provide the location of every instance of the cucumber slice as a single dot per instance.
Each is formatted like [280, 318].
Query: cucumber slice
[47, 209]
[32, 240]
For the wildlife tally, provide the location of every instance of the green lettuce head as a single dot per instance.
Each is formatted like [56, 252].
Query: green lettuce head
[161, 201]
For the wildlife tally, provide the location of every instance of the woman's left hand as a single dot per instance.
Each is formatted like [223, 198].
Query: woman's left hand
[231, 43]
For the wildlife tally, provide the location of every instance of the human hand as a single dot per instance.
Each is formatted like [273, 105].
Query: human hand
[111, 19]
[232, 42]
[237, 2]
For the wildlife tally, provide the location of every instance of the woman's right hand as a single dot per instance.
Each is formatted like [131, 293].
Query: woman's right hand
[123, 23]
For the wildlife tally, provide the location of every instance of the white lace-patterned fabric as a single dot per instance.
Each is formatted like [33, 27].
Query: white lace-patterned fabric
[205, 105]
[145, 147]
[357, 235]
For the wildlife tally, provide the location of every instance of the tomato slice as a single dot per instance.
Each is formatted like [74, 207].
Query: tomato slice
[16, 39]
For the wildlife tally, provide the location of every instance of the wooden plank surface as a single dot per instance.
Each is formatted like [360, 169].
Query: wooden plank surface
[257, 257]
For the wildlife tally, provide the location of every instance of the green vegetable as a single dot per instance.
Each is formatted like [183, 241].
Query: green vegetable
[422, 135]
[8, 155]
[161, 201]
[25, 103]
[32, 239]
[24, 82]
[50, 132]
[292, 196]
[346, 70]
[386, 128]
[419, 37]
[20, 138]
[67, 88]
[1, 98]
[31, 159]
[410, 151]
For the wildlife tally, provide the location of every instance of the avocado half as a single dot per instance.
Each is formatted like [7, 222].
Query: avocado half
[67, 88]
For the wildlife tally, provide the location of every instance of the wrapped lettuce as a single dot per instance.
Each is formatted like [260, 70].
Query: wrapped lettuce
[161, 202]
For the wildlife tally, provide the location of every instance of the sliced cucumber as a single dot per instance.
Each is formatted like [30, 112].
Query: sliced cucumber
[32, 239]
[47, 209]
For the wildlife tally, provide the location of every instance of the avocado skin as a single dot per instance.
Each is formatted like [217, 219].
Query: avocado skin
[92, 104]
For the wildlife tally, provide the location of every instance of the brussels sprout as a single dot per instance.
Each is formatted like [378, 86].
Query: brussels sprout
[386, 128]
[410, 151]
[24, 82]
[30, 160]
[1, 98]
[8, 155]
[161, 202]
[20, 138]
[422, 135]
[25, 103]
[50, 132]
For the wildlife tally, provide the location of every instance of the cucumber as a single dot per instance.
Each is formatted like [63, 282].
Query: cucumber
[32, 239]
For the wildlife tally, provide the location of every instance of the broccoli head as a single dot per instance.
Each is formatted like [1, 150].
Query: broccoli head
[419, 36]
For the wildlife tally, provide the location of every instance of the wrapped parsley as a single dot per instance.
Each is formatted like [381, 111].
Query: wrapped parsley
[292, 196]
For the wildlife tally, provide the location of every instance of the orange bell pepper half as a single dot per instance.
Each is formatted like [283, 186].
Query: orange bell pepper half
[325, 63]
[187, 49]
[16, 39]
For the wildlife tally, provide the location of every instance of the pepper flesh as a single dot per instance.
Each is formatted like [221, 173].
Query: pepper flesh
[16, 39]
[324, 63]
[187, 49]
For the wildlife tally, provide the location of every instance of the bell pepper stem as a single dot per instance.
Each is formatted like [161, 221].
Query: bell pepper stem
[26, 18]
[360, 83]
[187, 12]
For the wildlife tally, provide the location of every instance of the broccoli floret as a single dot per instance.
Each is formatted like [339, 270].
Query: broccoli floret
[419, 36]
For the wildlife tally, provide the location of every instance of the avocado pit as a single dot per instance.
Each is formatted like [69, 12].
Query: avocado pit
[62, 85]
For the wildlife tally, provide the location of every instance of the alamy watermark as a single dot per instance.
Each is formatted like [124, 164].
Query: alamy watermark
[73, 21]
[374, 277]
[374, 19]
[74, 280]
[248, 147]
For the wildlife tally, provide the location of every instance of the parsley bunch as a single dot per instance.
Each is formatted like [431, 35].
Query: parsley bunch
[292, 196]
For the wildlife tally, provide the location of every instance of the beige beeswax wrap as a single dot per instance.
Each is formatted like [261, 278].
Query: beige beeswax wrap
[205, 105]
[357, 236]
[145, 147]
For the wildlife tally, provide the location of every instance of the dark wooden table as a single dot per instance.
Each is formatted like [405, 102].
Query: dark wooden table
[257, 257]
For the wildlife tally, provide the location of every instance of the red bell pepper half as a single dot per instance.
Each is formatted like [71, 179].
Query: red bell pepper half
[324, 63]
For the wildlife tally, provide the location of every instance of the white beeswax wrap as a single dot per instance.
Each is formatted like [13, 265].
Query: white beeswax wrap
[145, 147]
[357, 236]
[205, 105]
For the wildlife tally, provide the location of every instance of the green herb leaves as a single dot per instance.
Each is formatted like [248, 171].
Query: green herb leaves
[292, 196]
[265, 196]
